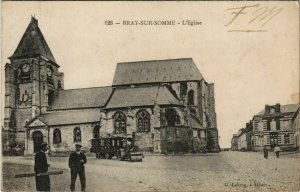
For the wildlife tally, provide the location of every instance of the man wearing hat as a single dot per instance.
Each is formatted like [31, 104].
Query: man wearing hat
[41, 166]
[76, 163]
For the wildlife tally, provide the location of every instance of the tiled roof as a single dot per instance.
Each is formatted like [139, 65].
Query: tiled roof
[70, 117]
[284, 109]
[81, 98]
[33, 43]
[141, 96]
[156, 71]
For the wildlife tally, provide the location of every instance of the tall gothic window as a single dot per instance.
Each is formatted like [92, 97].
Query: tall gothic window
[96, 131]
[119, 122]
[172, 117]
[56, 136]
[191, 97]
[143, 121]
[77, 134]
[50, 74]
[183, 89]
[50, 97]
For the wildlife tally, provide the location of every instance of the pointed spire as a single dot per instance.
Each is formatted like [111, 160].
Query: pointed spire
[33, 43]
[34, 20]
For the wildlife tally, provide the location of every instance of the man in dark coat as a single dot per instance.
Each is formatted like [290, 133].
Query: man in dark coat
[41, 166]
[265, 149]
[76, 163]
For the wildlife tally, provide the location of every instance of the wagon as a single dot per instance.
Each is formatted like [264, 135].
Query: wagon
[106, 148]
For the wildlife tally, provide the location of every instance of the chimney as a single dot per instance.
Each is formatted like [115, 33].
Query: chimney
[277, 108]
[267, 109]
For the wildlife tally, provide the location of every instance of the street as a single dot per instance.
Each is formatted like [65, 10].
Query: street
[225, 171]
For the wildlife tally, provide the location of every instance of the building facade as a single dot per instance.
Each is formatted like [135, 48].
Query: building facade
[249, 136]
[166, 104]
[241, 140]
[296, 130]
[234, 144]
[274, 126]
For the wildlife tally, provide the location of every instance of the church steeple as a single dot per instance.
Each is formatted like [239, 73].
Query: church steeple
[33, 43]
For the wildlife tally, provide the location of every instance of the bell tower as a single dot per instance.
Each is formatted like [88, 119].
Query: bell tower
[31, 78]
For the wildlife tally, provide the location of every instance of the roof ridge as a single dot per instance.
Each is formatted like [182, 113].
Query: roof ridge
[84, 88]
[145, 61]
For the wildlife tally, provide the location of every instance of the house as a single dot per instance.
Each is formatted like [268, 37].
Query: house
[249, 136]
[274, 126]
[296, 130]
[241, 140]
[234, 144]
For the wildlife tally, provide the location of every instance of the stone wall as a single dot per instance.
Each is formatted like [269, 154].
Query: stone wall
[176, 139]
[212, 140]
[67, 137]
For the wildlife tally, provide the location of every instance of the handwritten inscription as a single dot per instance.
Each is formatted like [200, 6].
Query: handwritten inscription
[251, 18]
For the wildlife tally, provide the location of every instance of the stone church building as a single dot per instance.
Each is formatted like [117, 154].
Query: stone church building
[166, 104]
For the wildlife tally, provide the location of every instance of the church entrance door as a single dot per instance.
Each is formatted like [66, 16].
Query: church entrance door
[37, 140]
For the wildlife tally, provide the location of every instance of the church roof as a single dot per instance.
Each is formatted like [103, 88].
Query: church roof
[70, 117]
[33, 43]
[290, 108]
[81, 98]
[141, 96]
[171, 70]
[194, 122]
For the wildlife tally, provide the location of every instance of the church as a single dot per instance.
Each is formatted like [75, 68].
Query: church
[166, 104]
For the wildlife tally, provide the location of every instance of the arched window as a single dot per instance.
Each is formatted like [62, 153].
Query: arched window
[183, 89]
[143, 121]
[96, 131]
[172, 117]
[119, 122]
[77, 135]
[191, 97]
[49, 72]
[56, 136]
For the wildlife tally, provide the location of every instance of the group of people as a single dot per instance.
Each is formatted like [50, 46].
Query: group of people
[77, 160]
[276, 150]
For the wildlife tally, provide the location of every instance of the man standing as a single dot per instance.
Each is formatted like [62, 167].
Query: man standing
[41, 166]
[76, 163]
[265, 152]
[277, 150]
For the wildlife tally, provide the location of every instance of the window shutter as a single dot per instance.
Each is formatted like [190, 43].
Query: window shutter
[268, 125]
[282, 139]
[291, 139]
[265, 140]
[277, 124]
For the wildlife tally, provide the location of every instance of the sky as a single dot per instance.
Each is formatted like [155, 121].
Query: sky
[249, 69]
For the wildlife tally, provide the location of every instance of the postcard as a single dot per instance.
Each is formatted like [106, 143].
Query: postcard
[150, 96]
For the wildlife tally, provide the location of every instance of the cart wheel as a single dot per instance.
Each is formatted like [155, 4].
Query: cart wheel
[106, 156]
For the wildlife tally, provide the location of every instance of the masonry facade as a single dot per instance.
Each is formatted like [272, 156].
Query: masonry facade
[166, 104]
[274, 125]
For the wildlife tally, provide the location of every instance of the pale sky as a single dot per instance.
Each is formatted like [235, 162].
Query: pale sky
[249, 69]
